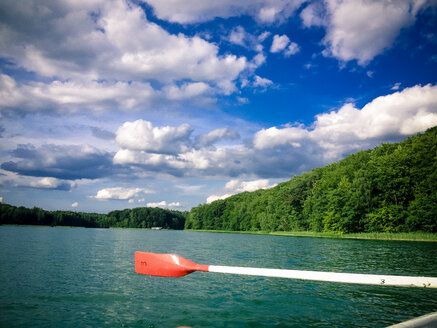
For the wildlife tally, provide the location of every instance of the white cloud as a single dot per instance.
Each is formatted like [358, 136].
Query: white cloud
[241, 37]
[271, 137]
[208, 161]
[292, 49]
[164, 204]
[216, 135]
[360, 29]
[120, 193]
[264, 36]
[170, 148]
[15, 180]
[268, 14]
[280, 152]
[236, 186]
[74, 95]
[86, 49]
[396, 86]
[47, 183]
[313, 14]
[75, 204]
[279, 43]
[187, 90]
[258, 60]
[141, 135]
[193, 11]
[403, 113]
[238, 36]
[69, 42]
[262, 82]
[213, 198]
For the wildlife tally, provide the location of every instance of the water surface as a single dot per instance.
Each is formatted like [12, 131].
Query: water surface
[76, 277]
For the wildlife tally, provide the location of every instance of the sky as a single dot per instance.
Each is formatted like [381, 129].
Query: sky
[113, 104]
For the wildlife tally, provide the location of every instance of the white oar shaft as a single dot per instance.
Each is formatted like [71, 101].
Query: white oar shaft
[352, 278]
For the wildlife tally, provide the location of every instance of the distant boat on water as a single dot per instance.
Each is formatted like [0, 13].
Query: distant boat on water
[156, 228]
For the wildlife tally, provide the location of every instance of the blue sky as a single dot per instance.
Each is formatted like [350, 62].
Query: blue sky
[111, 104]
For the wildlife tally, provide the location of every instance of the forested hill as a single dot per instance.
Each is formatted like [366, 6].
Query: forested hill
[140, 217]
[392, 188]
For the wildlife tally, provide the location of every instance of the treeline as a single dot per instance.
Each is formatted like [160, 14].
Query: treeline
[392, 188]
[141, 217]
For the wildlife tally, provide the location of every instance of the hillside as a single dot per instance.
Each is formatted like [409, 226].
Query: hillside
[392, 188]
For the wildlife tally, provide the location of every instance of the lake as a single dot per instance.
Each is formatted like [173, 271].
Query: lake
[77, 277]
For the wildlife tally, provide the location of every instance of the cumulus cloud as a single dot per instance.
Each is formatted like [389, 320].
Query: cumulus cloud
[402, 113]
[271, 137]
[11, 179]
[159, 143]
[348, 129]
[164, 204]
[73, 39]
[120, 193]
[216, 135]
[75, 204]
[281, 43]
[51, 183]
[360, 29]
[88, 62]
[236, 186]
[59, 161]
[258, 60]
[314, 14]
[280, 152]
[100, 96]
[192, 11]
[187, 90]
[141, 135]
[72, 96]
[292, 49]
[172, 150]
[238, 36]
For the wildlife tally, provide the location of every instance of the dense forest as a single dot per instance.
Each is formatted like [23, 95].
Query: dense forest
[141, 217]
[392, 188]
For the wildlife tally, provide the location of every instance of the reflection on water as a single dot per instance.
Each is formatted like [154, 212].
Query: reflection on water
[85, 277]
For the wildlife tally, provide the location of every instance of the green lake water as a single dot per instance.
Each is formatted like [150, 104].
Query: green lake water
[76, 277]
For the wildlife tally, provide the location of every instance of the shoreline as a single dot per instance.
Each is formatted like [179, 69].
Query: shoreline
[395, 236]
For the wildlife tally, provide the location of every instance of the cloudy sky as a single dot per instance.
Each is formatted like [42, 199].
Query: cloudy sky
[111, 104]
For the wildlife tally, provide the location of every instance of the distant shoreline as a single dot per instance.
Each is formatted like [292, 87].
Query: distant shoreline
[401, 236]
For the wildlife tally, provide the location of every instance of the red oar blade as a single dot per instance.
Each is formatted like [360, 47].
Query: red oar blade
[165, 265]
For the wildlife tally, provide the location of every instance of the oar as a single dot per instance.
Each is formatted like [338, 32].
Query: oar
[171, 265]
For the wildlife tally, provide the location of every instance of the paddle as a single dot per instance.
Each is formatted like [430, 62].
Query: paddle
[171, 265]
